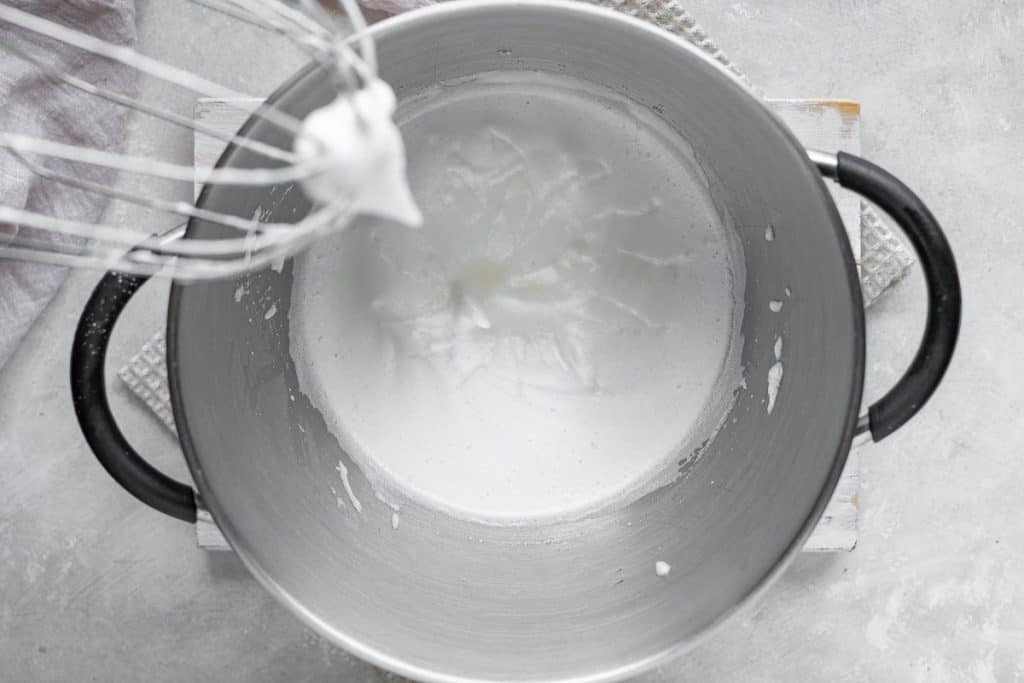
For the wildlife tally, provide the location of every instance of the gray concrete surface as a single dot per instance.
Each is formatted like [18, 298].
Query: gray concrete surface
[95, 587]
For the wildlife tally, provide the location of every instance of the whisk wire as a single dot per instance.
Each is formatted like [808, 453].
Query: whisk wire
[352, 67]
[320, 48]
[295, 17]
[157, 112]
[254, 16]
[163, 169]
[103, 235]
[142, 63]
[172, 254]
[367, 48]
[178, 208]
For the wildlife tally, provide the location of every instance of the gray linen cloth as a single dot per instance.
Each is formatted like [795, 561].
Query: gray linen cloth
[33, 104]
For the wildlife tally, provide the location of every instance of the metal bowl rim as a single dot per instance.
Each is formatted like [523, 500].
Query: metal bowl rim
[375, 656]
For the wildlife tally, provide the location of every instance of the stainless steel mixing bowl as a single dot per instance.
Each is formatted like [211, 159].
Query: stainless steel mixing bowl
[450, 600]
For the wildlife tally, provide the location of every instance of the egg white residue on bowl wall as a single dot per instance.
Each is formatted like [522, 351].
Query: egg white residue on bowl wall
[562, 328]
[775, 375]
[343, 473]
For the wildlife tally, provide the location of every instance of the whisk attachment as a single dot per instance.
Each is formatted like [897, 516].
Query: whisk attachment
[334, 152]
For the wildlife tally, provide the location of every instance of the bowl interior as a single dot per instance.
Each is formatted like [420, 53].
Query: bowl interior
[450, 599]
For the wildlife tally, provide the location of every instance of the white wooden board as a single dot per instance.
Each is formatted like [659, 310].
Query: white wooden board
[825, 124]
[828, 125]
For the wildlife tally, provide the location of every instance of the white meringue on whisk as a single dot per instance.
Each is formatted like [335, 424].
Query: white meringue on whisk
[357, 138]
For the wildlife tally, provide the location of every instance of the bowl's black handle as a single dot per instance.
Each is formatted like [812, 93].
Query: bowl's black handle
[89, 395]
[942, 325]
